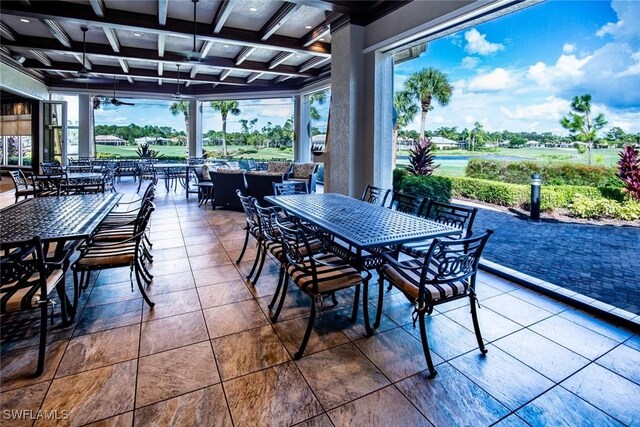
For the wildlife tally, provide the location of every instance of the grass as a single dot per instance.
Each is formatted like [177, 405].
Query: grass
[181, 151]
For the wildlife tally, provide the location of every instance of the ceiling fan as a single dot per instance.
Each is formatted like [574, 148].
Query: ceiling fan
[83, 75]
[194, 56]
[115, 101]
[178, 95]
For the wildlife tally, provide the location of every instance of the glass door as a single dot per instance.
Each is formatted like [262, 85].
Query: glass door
[55, 132]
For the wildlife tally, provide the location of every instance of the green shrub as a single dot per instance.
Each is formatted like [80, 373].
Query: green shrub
[498, 193]
[429, 186]
[552, 173]
[399, 174]
[585, 207]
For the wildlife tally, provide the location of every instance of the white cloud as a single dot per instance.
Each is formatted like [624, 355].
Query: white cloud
[469, 62]
[437, 119]
[566, 68]
[469, 119]
[498, 79]
[478, 44]
[568, 48]
[634, 69]
[552, 108]
[624, 29]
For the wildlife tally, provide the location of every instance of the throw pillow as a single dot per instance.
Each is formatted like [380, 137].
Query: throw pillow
[278, 167]
[303, 170]
[205, 173]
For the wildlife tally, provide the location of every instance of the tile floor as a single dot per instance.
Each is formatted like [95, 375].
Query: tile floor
[207, 354]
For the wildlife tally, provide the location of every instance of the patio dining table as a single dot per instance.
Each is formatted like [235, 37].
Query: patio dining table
[364, 226]
[166, 169]
[56, 219]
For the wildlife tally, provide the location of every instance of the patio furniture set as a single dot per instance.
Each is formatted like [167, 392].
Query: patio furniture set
[42, 237]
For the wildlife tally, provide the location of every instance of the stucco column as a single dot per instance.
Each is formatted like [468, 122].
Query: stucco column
[85, 126]
[343, 161]
[195, 128]
[301, 126]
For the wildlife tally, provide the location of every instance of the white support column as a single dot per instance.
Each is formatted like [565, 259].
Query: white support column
[195, 128]
[302, 129]
[343, 163]
[381, 127]
[85, 127]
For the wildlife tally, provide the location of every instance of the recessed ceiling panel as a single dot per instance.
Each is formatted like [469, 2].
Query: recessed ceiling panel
[33, 28]
[296, 25]
[183, 9]
[142, 40]
[150, 7]
[262, 55]
[95, 33]
[224, 50]
[252, 14]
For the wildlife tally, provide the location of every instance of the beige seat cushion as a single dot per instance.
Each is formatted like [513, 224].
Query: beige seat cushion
[122, 254]
[23, 298]
[408, 281]
[330, 278]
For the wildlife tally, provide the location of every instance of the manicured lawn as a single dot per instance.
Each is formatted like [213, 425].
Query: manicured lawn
[181, 151]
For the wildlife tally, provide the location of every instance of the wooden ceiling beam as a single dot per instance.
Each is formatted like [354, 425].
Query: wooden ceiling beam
[278, 19]
[221, 16]
[80, 14]
[98, 7]
[163, 9]
[138, 54]
[135, 73]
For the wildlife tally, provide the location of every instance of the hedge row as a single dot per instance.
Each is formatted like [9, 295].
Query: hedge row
[552, 173]
[511, 195]
[584, 207]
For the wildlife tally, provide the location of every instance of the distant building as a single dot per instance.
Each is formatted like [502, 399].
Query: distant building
[152, 140]
[533, 143]
[443, 143]
[109, 140]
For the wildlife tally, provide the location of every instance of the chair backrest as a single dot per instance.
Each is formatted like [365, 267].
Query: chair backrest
[290, 187]
[407, 203]
[47, 185]
[375, 195]
[249, 209]
[267, 222]
[52, 168]
[19, 261]
[451, 261]
[19, 180]
[457, 216]
[297, 249]
[260, 185]
[144, 215]
[149, 193]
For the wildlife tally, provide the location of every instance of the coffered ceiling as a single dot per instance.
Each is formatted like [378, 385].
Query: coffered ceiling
[240, 45]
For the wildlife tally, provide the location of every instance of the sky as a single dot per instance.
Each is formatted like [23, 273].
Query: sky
[520, 72]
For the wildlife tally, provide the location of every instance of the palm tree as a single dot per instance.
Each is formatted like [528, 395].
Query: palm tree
[579, 123]
[425, 86]
[225, 108]
[320, 98]
[405, 111]
[181, 107]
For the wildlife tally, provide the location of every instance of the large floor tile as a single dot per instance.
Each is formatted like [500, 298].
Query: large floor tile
[231, 318]
[100, 349]
[122, 420]
[171, 332]
[248, 351]
[597, 325]
[170, 266]
[92, 395]
[541, 301]
[223, 293]
[296, 304]
[340, 375]
[341, 318]
[447, 338]
[203, 262]
[215, 275]
[102, 317]
[516, 309]
[205, 407]
[558, 407]
[451, 398]
[623, 361]
[19, 366]
[170, 283]
[502, 376]
[23, 399]
[323, 335]
[575, 337]
[608, 391]
[396, 353]
[492, 325]
[171, 304]
[385, 407]
[545, 356]
[321, 420]
[116, 292]
[174, 372]
[274, 396]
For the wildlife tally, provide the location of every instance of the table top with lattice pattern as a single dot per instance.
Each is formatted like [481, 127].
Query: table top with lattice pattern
[55, 218]
[358, 223]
